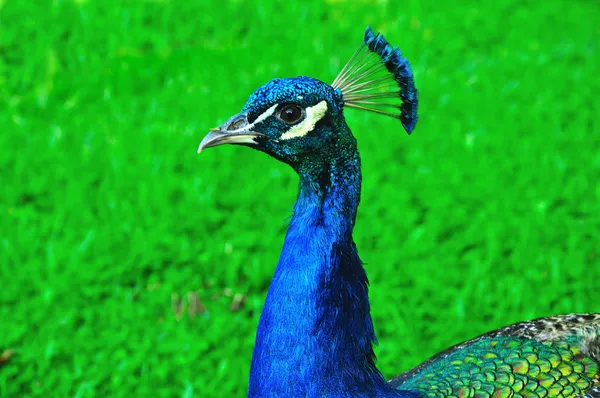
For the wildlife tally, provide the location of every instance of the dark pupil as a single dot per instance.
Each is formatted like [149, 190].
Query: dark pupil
[290, 114]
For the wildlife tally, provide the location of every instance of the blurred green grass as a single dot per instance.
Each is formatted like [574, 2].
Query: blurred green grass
[122, 251]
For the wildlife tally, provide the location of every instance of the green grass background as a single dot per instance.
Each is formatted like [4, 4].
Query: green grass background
[122, 251]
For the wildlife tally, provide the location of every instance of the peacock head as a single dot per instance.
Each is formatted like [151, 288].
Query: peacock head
[302, 118]
[286, 118]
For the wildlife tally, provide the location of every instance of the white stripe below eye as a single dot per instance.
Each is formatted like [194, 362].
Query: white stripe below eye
[313, 115]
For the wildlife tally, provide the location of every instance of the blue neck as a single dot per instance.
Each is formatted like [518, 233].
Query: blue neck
[315, 333]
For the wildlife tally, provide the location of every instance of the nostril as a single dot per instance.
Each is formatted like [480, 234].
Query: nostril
[236, 124]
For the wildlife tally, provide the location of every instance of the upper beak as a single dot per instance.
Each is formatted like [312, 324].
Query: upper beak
[236, 130]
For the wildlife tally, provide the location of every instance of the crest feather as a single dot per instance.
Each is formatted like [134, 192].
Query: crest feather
[377, 78]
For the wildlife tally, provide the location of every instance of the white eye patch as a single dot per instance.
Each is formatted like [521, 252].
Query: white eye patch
[313, 115]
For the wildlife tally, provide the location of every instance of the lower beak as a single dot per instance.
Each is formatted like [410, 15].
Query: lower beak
[236, 130]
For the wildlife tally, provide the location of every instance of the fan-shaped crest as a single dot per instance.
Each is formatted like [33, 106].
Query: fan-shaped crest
[377, 78]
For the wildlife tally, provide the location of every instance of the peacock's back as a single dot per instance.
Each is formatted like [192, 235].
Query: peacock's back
[548, 357]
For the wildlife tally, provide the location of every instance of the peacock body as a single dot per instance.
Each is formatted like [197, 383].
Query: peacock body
[315, 336]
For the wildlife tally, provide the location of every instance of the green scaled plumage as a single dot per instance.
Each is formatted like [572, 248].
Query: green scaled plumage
[504, 366]
[547, 357]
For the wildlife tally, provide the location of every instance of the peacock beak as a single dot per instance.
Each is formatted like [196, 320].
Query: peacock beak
[236, 130]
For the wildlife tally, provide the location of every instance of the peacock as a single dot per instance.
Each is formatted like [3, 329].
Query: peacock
[315, 335]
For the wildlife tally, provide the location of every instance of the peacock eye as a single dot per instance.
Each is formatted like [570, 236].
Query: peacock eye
[291, 114]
